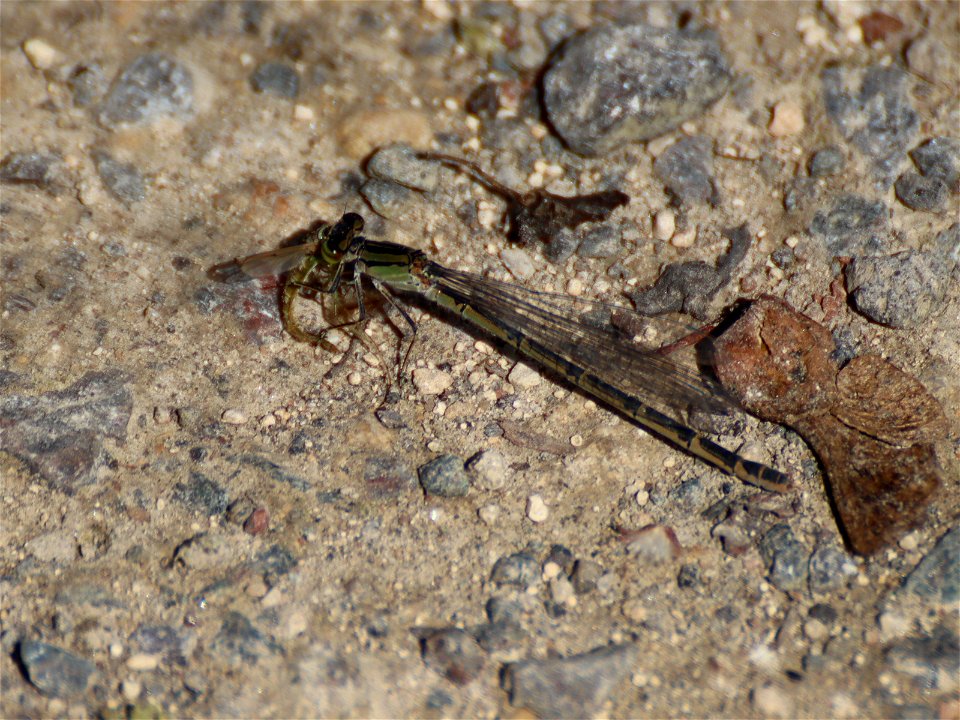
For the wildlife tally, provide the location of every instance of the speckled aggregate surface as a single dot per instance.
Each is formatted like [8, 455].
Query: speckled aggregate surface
[204, 518]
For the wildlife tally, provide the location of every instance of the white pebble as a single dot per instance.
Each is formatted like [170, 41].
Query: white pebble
[685, 238]
[430, 381]
[489, 469]
[131, 689]
[41, 54]
[234, 416]
[664, 224]
[537, 509]
[524, 376]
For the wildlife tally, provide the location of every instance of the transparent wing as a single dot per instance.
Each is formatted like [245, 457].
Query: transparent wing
[265, 264]
[582, 332]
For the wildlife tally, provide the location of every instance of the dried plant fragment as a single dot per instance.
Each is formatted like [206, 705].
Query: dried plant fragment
[872, 426]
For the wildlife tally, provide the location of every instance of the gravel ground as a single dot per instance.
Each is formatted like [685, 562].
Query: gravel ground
[203, 517]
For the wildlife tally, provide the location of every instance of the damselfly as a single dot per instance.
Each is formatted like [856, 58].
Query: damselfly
[549, 328]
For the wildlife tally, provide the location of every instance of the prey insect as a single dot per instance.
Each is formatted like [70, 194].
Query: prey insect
[548, 328]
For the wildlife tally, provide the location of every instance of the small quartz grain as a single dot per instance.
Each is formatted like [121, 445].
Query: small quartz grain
[537, 509]
[786, 120]
[524, 377]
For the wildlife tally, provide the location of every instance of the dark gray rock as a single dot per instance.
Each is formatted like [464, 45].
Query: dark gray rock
[87, 83]
[939, 157]
[878, 118]
[686, 168]
[921, 192]
[59, 435]
[151, 86]
[850, 225]
[273, 78]
[389, 199]
[387, 478]
[899, 290]
[689, 286]
[616, 84]
[400, 164]
[826, 162]
[202, 495]
[830, 569]
[239, 644]
[575, 686]
[29, 168]
[600, 242]
[937, 577]
[520, 569]
[453, 653]
[444, 476]
[123, 180]
[54, 671]
[786, 558]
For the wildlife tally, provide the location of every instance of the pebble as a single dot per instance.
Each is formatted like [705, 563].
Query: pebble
[33, 168]
[939, 157]
[826, 162]
[87, 83]
[258, 522]
[586, 576]
[61, 433]
[200, 494]
[454, 654]
[537, 509]
[830, 569]
[444, 476]
[852, 224]
[524, 377]
[619, 83]
[431, 381]
[771, 701]
[398, 163]
[816, 630]
[151, 86]
[41, 54]
[489, 514]
[123, 180]
[686, 168]
[786, 557]
[239, 644]
[574, 686]
[937, 576]
[877, 118]
[389, 199]
[387, 477]
[901, 290]
[664, 224]
[920, 192]
[602, 241]
[131, 689]
[786, 120]
[489, 470]
[562, 557]
[518, 262]
[54, 671]
[274, 78]
[143, 662]
[689, 577]
[520, 569]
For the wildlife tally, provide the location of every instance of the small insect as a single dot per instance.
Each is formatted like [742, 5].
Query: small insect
[555, 330]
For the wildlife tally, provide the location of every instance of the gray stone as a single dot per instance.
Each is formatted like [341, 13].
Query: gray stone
[937, 577]
[686, 168]
[616, 84]
[899, 290]
[786, 558]
[444, 476]
[273, 78]
[54, 671]
[151, 86]
[400, 164]
[575, 686]
[921, 192]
